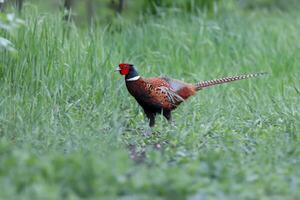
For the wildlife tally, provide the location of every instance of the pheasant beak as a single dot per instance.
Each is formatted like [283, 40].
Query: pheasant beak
[117, 69]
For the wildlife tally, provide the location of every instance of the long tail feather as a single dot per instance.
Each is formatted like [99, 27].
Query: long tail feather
[204, 84]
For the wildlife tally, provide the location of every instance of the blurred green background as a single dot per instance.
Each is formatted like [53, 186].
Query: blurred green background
[105, 10]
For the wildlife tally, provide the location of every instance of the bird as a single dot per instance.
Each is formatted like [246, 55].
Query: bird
[162, 95]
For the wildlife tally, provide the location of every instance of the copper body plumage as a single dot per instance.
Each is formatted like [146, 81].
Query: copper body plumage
[161, 95]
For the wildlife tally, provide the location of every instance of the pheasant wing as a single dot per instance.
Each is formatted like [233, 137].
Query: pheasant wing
[176, 85]
[171, 95]
[160, 94]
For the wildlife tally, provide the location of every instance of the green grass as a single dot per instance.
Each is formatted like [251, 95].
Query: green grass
[67, 122]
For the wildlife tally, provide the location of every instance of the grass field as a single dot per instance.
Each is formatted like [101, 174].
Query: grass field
[70, 130]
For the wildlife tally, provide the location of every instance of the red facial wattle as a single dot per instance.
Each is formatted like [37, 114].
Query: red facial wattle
[123, 68]
[124, 71]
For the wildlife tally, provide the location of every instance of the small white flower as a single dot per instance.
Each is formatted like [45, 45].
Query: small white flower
[4, 42]
[10, 17]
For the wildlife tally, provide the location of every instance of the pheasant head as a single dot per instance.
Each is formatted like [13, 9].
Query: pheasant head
[128, 70]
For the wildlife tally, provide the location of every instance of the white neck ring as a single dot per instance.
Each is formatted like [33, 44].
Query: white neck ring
[133, 78]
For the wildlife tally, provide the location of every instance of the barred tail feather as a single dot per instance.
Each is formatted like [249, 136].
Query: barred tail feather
[204, 84]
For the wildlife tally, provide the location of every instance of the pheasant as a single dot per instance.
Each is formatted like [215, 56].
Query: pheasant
[161, 94]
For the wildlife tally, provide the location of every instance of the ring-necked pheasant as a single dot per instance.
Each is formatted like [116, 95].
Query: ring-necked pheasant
[161, 94]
